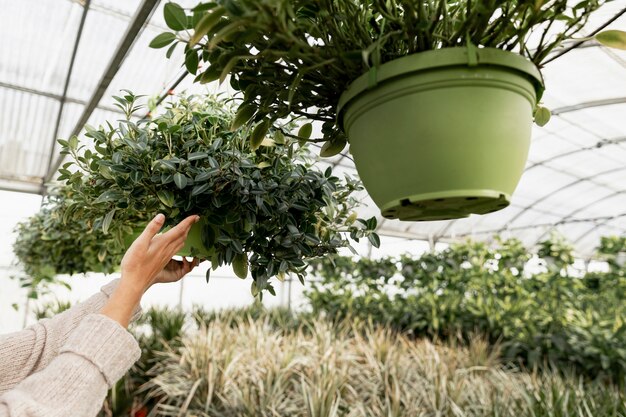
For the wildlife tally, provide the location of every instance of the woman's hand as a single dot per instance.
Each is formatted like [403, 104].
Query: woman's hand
[147, 261]
[175, 270]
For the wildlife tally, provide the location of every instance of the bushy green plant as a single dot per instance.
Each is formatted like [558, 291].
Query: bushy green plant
[613, 250]
[48, 245]
[296, 57]
[556, 252]
[542, 318]
[264, 207]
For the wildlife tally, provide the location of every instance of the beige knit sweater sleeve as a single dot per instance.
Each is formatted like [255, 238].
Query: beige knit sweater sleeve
[63, 366]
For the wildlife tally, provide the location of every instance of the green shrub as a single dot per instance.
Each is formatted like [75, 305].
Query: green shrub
[546, 318]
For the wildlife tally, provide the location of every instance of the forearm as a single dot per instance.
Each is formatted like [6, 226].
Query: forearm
[33, 348]
[123, 302]
[95, 356]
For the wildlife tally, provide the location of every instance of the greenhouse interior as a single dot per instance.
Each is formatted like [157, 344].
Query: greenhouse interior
[194, 222]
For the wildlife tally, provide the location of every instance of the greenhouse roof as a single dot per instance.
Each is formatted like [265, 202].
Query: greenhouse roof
[62, 61]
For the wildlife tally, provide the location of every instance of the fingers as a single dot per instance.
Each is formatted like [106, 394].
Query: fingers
[181, 229]
[152, 228]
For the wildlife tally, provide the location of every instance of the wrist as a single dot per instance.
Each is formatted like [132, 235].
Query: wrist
[132, 286]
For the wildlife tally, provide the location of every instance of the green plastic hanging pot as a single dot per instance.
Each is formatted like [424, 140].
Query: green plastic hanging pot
[442, 134]
[194, 245]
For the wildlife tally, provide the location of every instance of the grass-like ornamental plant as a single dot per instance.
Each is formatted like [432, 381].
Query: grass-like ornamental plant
[264, 208]
[301, 366]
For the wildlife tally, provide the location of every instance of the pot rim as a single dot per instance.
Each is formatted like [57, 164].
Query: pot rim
[436, 59]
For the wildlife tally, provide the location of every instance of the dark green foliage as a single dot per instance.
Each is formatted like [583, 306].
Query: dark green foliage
[267, 209]
[548, 318]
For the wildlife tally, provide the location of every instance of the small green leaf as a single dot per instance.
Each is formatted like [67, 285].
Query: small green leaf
[207, 275]
[244, 113]
[175, 16]
[199, 189]
[305, 132]
[279, 138]
[209, 75]
[240, 265]
[333, 147]
[205, 25]
[264, 164]
[194, 156]
[166, 197]
[180, 180]
[191, 61]
[374, 240]
[542, 116]
[258, 134]
[612, 38]
[107, 221]
[162, 40]
[170, 50]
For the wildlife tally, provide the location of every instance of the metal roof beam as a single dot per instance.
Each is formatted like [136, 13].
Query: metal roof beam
[68, 77]
[596, 226]
[143, 13]
[53, 96]
[579, 209]
[540, 225]
[588, 104]
[20, 186]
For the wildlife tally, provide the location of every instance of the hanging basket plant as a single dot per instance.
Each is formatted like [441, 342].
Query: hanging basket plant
[436, 98]
[47, 245]
[264, 208]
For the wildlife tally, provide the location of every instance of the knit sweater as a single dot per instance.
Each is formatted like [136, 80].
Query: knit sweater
[64, 366]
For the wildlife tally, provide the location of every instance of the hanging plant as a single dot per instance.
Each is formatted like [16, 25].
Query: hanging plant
[435, 97]
[47, 245]
[265, 209]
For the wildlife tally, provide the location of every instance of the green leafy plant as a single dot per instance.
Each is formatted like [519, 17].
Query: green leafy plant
[296, 57]
[613, 249]
[265, 209]
[556, 252]
[48, 245]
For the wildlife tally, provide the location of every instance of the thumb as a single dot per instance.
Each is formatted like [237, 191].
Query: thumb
[152, 228]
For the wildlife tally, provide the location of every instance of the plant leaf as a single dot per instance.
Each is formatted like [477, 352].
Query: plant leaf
[180, 180]
[175, 16]
[374, 240]
[244, 113]
[162, 40]
[107, 221]
[205, 25]
[258, 134]
[166, 197]
[191, 61]
[240, 265]
[333, 147]
[305, 131]
[542, 116]
[612, 38]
